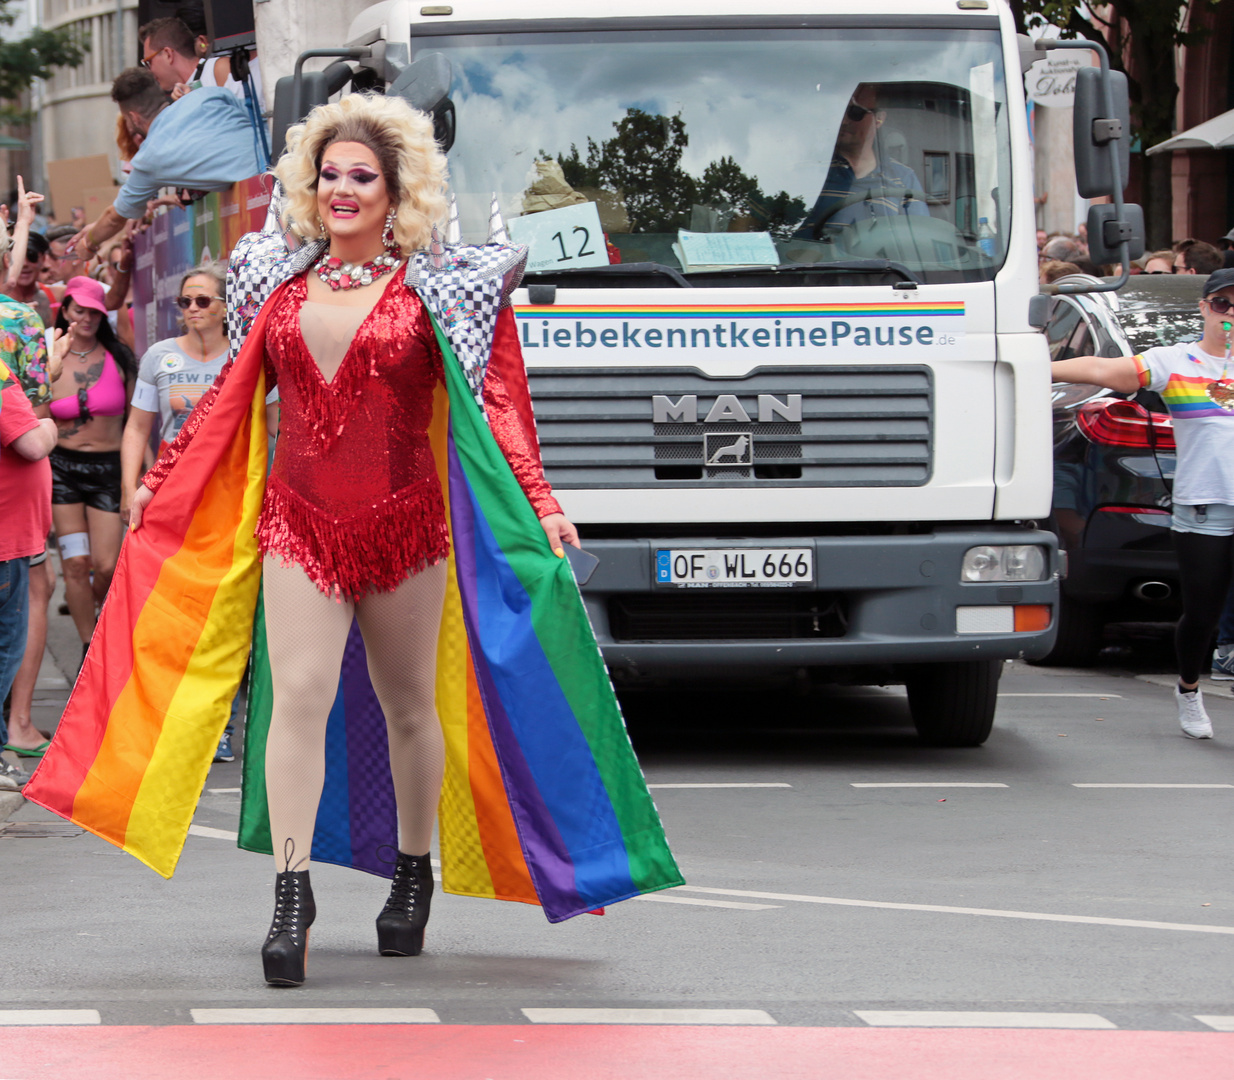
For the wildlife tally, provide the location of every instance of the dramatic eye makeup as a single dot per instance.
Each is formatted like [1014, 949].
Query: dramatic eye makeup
[331, 174]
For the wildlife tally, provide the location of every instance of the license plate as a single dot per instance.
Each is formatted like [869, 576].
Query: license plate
[734, 568]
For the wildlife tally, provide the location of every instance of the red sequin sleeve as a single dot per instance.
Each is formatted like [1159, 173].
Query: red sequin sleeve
[508, 403]
[167, 459]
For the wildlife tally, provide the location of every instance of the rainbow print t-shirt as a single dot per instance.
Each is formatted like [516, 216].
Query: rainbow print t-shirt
[1203, 431]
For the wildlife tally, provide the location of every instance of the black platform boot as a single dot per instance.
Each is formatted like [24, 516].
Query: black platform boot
[400, 926]
[286, 946]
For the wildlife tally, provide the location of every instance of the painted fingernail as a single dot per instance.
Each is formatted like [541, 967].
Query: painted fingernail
[559, 552]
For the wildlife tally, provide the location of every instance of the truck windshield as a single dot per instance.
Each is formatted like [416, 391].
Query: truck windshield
[708, 150]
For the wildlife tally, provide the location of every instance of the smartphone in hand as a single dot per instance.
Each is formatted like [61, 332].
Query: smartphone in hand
[583, 563]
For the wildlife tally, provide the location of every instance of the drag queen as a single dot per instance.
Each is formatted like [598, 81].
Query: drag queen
[353, 522]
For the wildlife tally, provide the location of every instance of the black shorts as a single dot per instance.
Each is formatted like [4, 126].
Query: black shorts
[90, 478]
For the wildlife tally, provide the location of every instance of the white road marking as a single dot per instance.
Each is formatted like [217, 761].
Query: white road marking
[213, 834]
[57, 1017]
[314, 1016]
[223, 790]
[911, 1018]
[929, 784]
[1101, 696]
[718, 785]
[1154, 785]
[648, 1016]
[1218, 1023]
[997, 913]
[660, 898]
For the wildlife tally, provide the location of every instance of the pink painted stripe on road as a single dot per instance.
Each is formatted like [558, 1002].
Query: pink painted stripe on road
[548, 1052]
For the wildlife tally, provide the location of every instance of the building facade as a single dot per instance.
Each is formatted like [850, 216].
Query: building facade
[74, 109]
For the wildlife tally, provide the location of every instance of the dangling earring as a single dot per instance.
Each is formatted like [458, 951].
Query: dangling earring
[321, 228]
[387, 236]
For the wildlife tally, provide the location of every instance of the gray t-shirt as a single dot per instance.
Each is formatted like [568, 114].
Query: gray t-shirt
[171, 384]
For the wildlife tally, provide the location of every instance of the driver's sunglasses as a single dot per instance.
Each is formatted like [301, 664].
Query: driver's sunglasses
[203, 302]
[1219, 304]
[856, 113]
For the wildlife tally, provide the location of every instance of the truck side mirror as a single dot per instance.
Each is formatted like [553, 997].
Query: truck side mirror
[1105, 231]
[1094, 130]
[295, 96]
[425, 85]
[1030, 53]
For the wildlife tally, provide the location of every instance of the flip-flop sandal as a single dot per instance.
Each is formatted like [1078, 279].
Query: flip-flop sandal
[26, 752]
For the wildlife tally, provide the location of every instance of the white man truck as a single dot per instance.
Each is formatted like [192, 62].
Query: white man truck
[776, 317]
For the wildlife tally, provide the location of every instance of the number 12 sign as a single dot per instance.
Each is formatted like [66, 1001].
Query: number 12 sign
[564, 239]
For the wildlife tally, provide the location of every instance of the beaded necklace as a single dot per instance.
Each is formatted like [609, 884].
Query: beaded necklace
[340, 275]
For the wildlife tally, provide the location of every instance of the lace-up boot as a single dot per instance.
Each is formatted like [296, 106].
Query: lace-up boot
[286, 946]
[400, 926]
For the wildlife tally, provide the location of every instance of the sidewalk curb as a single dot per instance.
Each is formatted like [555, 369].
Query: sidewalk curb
[1210, 688]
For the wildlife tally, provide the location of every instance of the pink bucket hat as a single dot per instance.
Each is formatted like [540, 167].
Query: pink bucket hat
[87, 292]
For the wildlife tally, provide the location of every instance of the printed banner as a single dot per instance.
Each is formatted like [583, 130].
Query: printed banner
[694, 331]
[178, 240]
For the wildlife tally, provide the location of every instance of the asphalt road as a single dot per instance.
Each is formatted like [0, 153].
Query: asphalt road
[814, 898]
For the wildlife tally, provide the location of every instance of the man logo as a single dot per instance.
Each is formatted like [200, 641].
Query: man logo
[727, 409]
[728, 450]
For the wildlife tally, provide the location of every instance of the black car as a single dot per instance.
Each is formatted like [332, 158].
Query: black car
[1114, 463]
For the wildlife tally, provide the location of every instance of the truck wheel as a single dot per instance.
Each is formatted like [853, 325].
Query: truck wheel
[953, 704]
[1081, 630]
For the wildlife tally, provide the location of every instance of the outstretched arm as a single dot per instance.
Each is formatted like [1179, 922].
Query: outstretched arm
[1120, 373]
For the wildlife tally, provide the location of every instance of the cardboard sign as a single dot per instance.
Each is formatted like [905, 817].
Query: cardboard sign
[96, 200]
[564, 239]
[70, 178]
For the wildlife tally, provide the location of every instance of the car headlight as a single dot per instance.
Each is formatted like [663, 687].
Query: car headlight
[1012, 562]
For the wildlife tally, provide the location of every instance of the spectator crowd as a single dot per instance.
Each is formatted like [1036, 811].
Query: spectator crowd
[82, 416]
[1062, 254]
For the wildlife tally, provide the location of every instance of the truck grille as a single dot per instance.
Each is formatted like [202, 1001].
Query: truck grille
[859, 427]
[694, 615]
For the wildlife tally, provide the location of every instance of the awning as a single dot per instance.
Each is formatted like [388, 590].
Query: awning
[7, 142]
[1214, 134]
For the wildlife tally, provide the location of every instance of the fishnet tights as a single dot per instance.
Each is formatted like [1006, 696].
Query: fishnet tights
[307, 632]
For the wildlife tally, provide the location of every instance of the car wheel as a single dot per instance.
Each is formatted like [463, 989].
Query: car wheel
[1081, 630]
[953, 704]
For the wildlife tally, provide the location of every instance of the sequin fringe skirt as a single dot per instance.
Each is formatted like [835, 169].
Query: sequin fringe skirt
[349, 557]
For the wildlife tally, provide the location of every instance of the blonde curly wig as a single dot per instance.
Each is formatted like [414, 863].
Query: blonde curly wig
[402, 141]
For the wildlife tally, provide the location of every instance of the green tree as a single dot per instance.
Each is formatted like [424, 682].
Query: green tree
[642, 164]
[1142, 37]
[28, 58]
[23, 60]
[725, 183]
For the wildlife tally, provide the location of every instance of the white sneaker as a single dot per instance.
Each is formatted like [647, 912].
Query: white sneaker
[1191, 715]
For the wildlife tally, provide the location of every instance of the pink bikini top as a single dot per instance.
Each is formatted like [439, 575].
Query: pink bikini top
[104, 398]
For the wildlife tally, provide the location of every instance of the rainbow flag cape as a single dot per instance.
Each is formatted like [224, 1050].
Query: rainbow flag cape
[543, 801]
[138, 734]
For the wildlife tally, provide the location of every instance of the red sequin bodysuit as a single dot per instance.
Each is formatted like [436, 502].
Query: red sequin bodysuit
[353, 495]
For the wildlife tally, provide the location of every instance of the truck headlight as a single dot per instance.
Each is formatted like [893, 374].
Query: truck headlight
[1012, 562]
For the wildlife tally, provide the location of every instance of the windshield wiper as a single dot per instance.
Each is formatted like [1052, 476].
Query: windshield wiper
[632, 269]
[855, 266]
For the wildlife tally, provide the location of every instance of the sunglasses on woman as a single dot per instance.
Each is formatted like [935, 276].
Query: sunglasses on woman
[1219, 304]
[203, 302]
